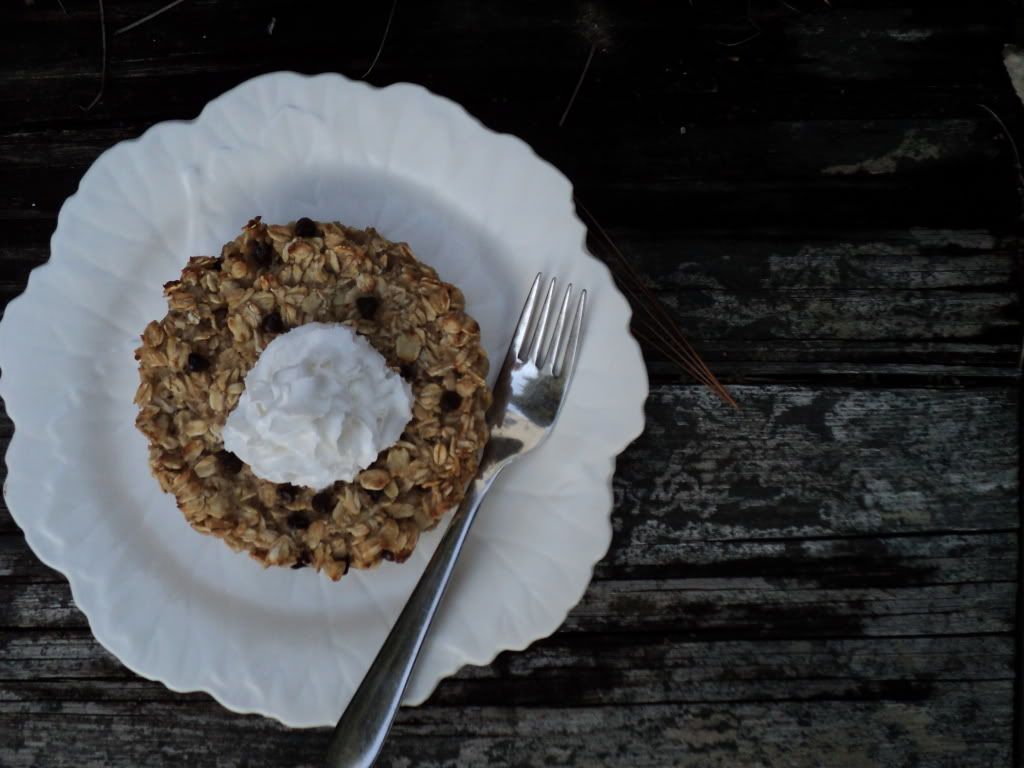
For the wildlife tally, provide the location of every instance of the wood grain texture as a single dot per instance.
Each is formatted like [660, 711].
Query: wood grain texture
[846, 617]
[715, 608]
[958, 727]
[800, 462]
[823, 297]
[826, 577]
[769, 126]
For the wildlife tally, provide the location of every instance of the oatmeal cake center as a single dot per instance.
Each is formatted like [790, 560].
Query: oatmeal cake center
[319, 405]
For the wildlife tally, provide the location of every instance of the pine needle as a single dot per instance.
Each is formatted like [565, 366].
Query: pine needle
[144, 19]
[579, 84]
[383, 39]
[650, 320]
[103, 61]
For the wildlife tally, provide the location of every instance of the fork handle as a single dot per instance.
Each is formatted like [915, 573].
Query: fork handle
[360, 733]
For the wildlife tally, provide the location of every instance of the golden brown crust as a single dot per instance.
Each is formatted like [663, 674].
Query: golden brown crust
[224, 311]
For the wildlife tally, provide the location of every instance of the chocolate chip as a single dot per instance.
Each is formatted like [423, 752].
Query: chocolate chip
[216, 265]
[367, 306]
[273, 323]
[408, 370]
[388, 555]
[229, 462]
[287, 492]
[262, 253]
[345, 561]
[197, 363]
[298, 520]
[450, 400]
[322, 502]
[304, 559]
[305, 228]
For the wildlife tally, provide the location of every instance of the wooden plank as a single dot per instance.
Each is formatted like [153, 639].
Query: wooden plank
[861, 315]
[878, 561]
[676, 258]
[653, 175]
[685, 56]
[919, 559]
[786, 260]
[666, 605]
[648, 669]
[660, 159]
[965, 723]
[59, 688]
[696, 607]
[914, 297]
[762, 149]
[797, 462]
[784, 366]
[44, 667]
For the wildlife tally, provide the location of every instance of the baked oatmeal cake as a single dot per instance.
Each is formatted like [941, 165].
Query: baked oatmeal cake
[224, 311]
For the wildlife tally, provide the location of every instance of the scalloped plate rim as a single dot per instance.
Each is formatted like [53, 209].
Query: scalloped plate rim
[37, 539]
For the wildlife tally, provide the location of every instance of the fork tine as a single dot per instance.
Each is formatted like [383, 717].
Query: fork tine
[572, 345]
[516, 347]
[542, 324]
[554, 348]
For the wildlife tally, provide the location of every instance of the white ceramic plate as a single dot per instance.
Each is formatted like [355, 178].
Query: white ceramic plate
[182, 608]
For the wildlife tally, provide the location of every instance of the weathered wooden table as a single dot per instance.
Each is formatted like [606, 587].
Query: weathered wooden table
[827, 577]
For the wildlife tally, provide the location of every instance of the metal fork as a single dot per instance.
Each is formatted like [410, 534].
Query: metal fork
[527, 398]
